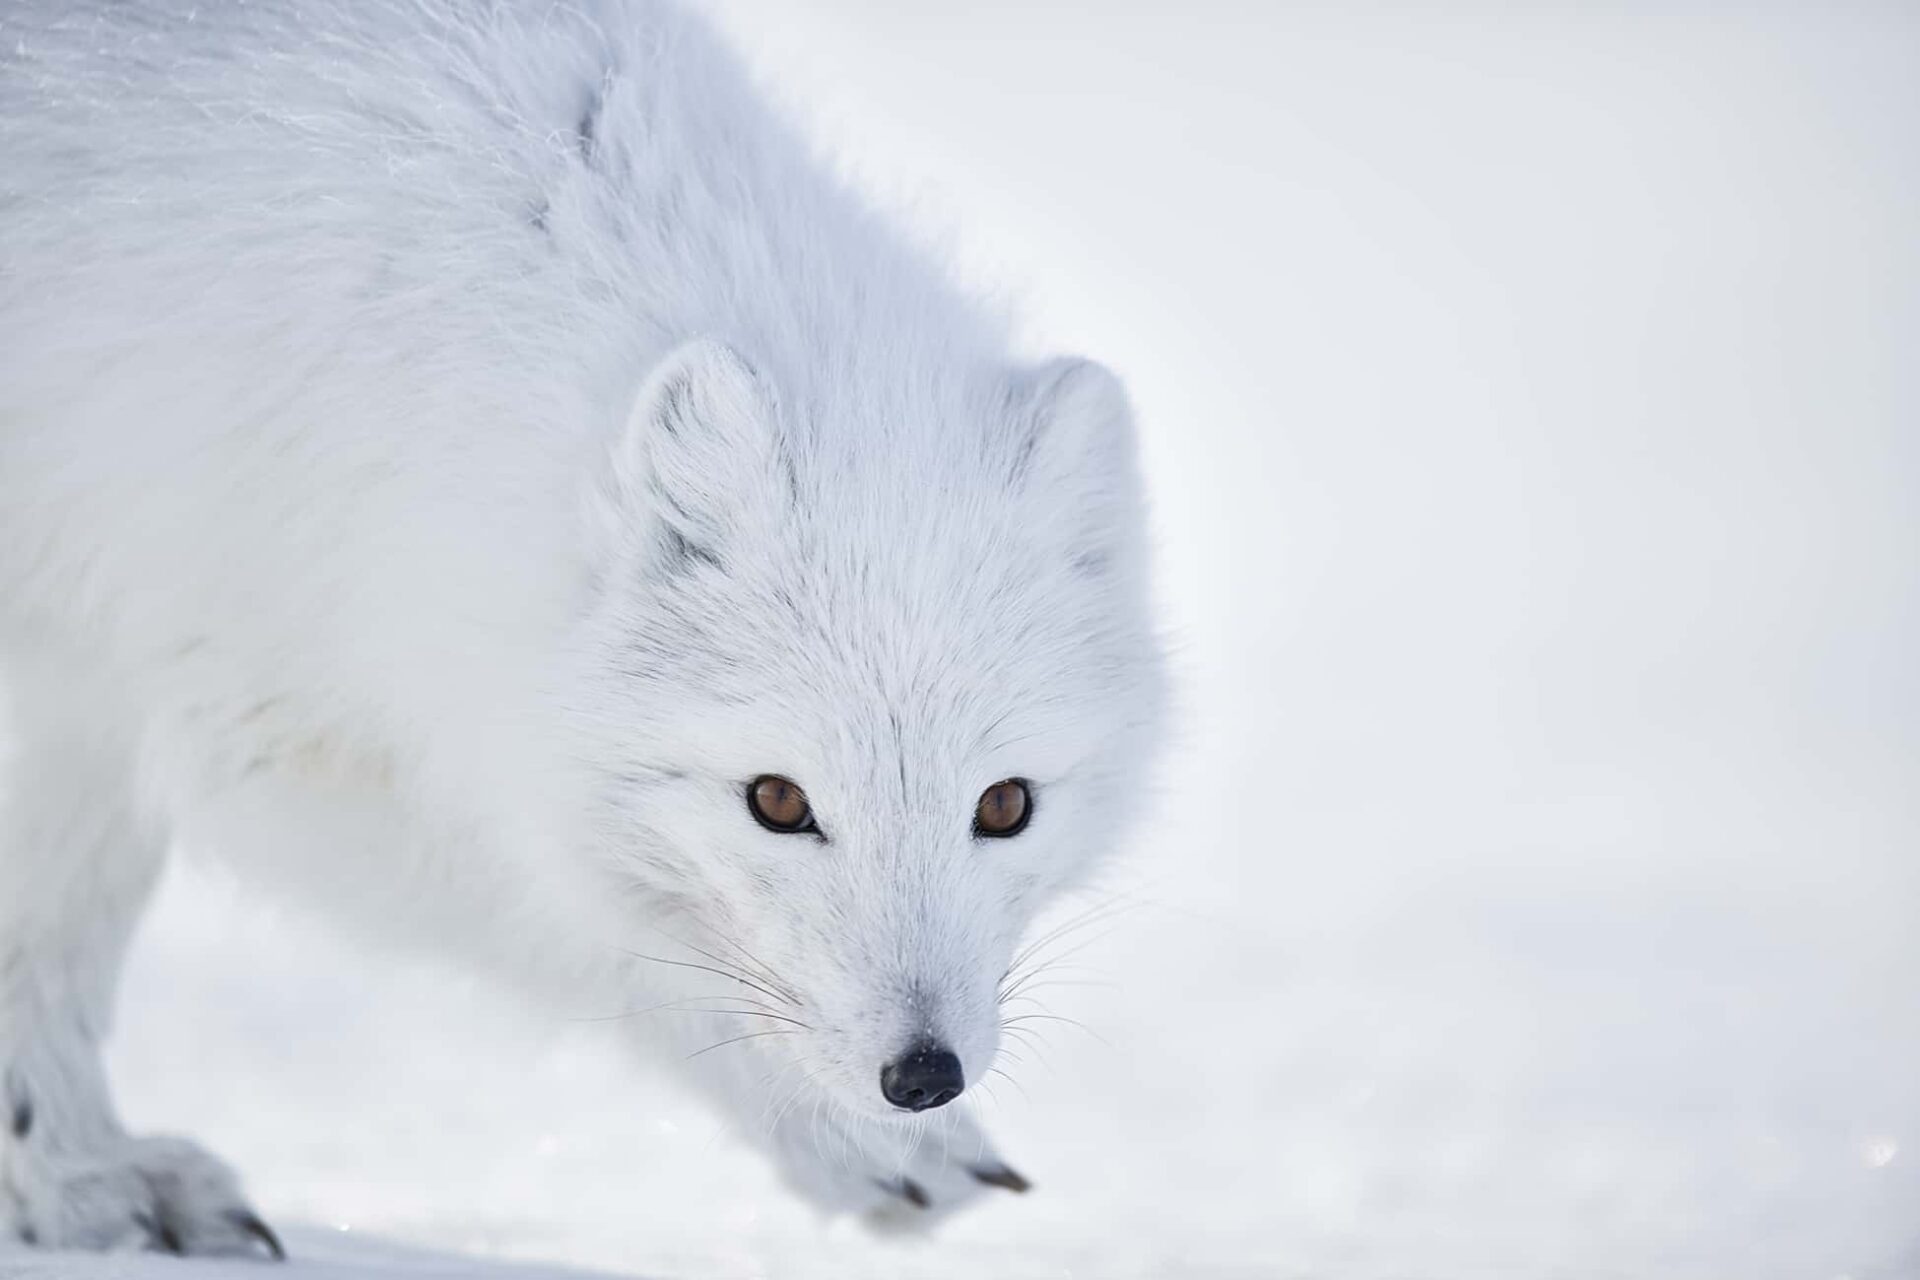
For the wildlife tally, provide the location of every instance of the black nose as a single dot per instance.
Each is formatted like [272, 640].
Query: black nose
[925, 1077]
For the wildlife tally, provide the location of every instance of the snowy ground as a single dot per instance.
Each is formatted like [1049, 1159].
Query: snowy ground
[1532, 408]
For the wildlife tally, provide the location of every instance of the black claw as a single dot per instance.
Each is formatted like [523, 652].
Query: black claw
[1001, 1176]
[249, 1222]
[914, 1194]
[159, 1234]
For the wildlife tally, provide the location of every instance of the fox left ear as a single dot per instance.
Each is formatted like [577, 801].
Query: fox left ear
[700, 462]
[1076, 453]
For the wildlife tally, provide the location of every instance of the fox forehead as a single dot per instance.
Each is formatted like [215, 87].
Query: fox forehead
[882, 710]
[929, 627]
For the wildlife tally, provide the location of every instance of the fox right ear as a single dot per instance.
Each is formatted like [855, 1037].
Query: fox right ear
[1076, 453]
[699, 462]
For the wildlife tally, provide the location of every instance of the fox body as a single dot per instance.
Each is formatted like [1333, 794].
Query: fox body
[449, 452]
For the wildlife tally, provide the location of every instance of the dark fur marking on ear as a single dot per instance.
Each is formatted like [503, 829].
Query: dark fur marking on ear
[19, 1108]
[674, 399]
[792, 474]
[1023, 461]
[668, 503]
[586, 132]
[1019, 402]
[687, 553]
[681, 549]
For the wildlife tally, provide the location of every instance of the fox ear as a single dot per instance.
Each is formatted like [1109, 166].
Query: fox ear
[700, 460]
[1076, 457]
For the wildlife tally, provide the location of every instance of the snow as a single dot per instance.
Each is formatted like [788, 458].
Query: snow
[1530, 407]
[320, 1255]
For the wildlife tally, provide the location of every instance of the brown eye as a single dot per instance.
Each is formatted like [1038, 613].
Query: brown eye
[1003, 809]
[778, 804]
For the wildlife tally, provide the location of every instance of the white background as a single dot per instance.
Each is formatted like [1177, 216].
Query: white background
[1532, 414]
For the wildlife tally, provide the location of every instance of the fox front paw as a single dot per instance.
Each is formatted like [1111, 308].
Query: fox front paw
[159, 1194]
[915, 1200]
[898, 1177]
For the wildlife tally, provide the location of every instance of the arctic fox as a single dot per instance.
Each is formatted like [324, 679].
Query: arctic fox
[465, 464]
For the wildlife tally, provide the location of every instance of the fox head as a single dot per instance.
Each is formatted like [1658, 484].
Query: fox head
[875, 679]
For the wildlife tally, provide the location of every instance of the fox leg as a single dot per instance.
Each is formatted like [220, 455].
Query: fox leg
[77, 865]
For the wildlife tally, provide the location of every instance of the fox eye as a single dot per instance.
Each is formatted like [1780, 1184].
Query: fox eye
[1003, 809]
[778, 804]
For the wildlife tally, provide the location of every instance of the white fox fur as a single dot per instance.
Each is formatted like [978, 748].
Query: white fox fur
[447, 450]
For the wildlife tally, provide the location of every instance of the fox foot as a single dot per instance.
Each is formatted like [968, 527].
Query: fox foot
[158, 1194]
[898, 1176]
